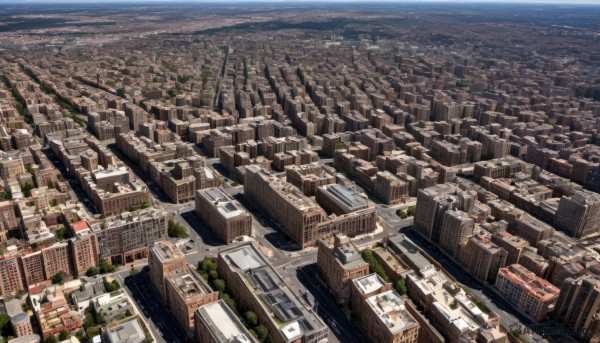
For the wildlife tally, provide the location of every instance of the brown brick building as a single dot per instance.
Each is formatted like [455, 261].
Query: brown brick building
[223, 215]
[339, 262]
[186, 291]
[164, 258]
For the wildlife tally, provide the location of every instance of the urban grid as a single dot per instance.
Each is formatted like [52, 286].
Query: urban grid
[307, 172]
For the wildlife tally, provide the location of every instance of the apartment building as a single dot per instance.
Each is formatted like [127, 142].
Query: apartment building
[223, 214]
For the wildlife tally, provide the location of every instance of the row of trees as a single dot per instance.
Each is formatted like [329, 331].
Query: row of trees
[103, 268]
[376, 267]
[208, 269]
[405, 214]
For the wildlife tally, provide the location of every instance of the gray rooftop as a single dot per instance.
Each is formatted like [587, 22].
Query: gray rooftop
[345, 198]
[401, 245]
[273, 292]
[222, 323]
[225, 204]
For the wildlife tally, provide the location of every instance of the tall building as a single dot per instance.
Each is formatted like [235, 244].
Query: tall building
[224, 216]
[11, 279]
[57, 259]
[186, 290]
[579, 214]
[216, 323]
[531, 295]
[512, 244]
[260, 289]
[125, 238]
[339, 199]
[481, 257]
[457, 227]
[338, 263]
[84, 251]
[578, 306]
[164, 258]
[432, 203]
[11, 166]
[32, 266]
[299, 215]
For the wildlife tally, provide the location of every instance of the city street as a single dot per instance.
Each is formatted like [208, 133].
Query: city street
[508, 316]
[164, 328]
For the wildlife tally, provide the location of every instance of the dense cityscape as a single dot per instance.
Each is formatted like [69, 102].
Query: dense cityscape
[303, 172]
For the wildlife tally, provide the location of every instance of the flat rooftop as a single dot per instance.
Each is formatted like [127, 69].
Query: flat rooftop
[344, 197]
[225, 204]
[189, 284]
[293, 319]
[130, 332]
[167, 251]
[223, 324]
[401, 245]
[369, 283]
[390, 309]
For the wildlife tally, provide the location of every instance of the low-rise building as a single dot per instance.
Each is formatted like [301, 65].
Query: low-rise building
[53, 313]
[130, 331]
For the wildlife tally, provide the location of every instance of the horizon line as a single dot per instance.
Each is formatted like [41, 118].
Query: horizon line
[294, 2]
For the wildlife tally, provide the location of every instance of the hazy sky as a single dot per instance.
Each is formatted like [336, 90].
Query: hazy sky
[594, 2]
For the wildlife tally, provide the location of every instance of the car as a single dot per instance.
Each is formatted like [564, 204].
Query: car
[335, 327]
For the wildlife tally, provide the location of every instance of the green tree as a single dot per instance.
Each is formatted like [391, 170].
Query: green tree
[105, 267]
[134, 271]
[92, 271]
[57, 278]
[53, 202]
[171, 93]
[63, 335]
[213, 275]
[26, 188]
[92, 331]
[219, 285]
[262, 332]
[61, 233]
[5, 195]
[207, 265]
[411, 211]
[251, 318]
[230, 302]
[128, 313]
[50, 184]
[120, 92]
[401, 214]
[400, 287]
[51, 339]
[111, 286]
[374, 265]
[4, 319]
[176, 230]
